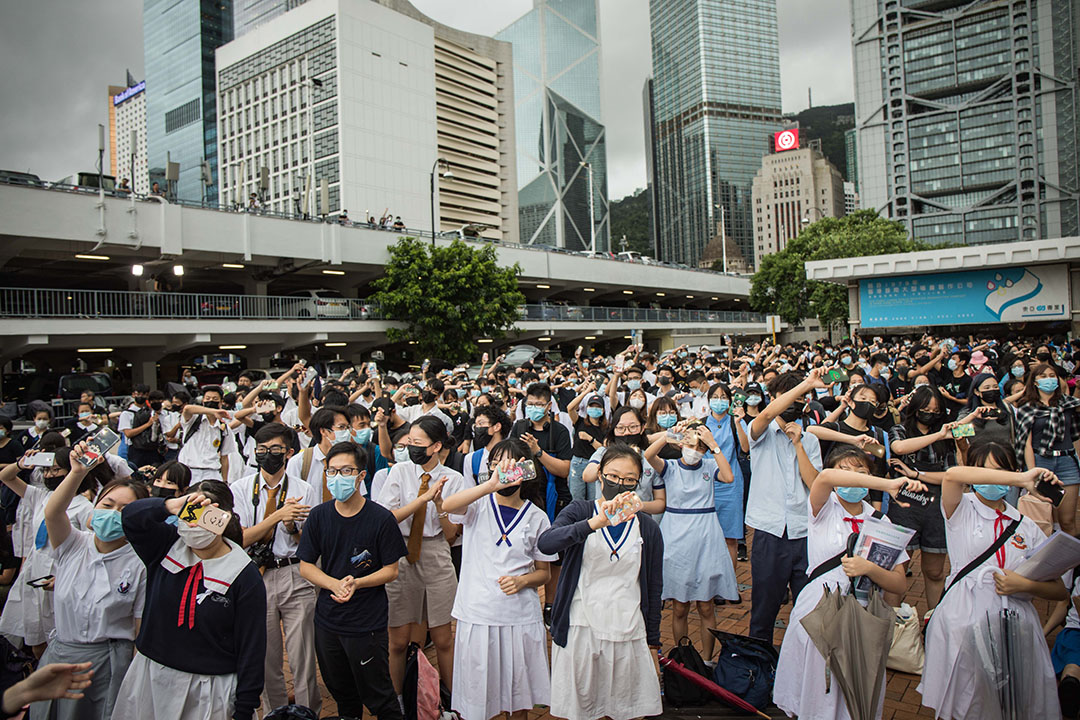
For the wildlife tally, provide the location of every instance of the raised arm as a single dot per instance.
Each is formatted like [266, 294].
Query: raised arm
[56, 519]
[9, 474]
[652, 454]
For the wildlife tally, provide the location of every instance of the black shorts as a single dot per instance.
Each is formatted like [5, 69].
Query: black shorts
[924, 517]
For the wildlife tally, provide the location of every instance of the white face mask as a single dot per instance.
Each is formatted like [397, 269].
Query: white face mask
[195, 537]
[637, 403]
[41, 424]
[401, 455]
[691, 456]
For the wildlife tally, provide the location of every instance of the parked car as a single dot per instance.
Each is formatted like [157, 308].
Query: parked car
[332, 369]
[518, 355]
[220, 306]
[597, 254]
[73, 384]
[629, 256]
[319, 303]
[14, 177]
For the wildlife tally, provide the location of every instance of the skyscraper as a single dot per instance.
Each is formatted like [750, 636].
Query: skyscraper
[249, 14]
[716, 102]
[179, 39]
[560, 135]
[127, 117]
[967, 117]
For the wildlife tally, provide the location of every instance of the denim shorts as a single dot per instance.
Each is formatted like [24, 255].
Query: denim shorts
[1064, 466]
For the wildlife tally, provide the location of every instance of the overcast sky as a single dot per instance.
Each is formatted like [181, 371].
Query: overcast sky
[60, 56]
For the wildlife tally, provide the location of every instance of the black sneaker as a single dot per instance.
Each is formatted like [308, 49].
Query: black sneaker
[742, 556]
[1069, 696]
[547, 617]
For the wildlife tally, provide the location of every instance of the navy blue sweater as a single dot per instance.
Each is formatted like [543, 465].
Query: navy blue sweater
[229, 631]
[567, 535]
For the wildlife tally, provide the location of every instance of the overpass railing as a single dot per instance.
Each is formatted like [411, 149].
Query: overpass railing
[120, 304]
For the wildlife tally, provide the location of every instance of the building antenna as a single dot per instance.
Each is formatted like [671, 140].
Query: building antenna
[809, 99]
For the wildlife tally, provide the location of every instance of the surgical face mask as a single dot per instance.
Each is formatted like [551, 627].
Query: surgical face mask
[41, 424]
[1047, 385]
[84, 415]
[535, 413]
[691, 456]
[953, 364]
[637, 403]
[852, 494]
[990, 396]
[991, 492]
[341, 487]
[885, 373]
[664, 380]
[683, 353]
[195, 537]
[697, 392]
[1018, 372]
[594, 412]
[418, 454]
[633, 384]
[342, 435]
[162, 492]
[481, 436]
[864, 409]
[212, 404]
[486, 388]
[474, 393]
[846, 360]
[927, 418]
[791, 414]
[270, 462]
[667, 420]
[719, 405]
[1043, 357]
[156, 406]
[401, 455]
[460, 392]
[361, 436]
[3, 433]
[106, 525]
[753, 400]
[611, 490]
[512, 382]
[508, 491]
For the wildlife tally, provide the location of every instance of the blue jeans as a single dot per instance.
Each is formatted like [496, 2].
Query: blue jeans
[579, 489]
[1064, 466]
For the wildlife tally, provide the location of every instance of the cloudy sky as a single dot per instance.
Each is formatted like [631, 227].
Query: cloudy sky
[59, 57]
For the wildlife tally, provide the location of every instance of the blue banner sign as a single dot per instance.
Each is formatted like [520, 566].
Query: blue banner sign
[976, 297]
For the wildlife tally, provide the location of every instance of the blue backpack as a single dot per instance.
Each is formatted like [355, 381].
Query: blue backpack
[746, 666]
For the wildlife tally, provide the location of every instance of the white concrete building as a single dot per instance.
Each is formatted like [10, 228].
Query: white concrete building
[792, 189]
[851, 198]
[127, 115]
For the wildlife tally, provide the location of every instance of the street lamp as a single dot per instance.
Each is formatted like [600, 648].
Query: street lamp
[815, 208]
[447, 174]
[592, 218]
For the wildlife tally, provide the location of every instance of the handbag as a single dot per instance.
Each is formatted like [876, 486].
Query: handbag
[1041, 513]
[906, 654]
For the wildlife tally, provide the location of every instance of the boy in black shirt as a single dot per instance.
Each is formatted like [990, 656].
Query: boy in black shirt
[359, 544]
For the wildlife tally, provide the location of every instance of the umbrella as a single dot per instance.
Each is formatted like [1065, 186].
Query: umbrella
[855, 643]
[703, 682]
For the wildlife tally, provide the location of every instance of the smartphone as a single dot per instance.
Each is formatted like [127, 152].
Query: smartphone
[42, 460]
[206, 516]
[272, 386]
[674, 437]
[836, 375]
[39, 582]
[302, 362]
[738, 398]
[580, 349]
[372, 370]
[425, 365]
[875, 449]
[310, 375]
[104, 441]
[620, 363]
[484, 358]
[524, 470]
[964, 431]
[625, 506]
[1052, 492]
[266, 407]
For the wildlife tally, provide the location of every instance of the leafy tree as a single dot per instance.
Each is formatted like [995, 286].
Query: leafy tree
[780, 286]
[447, 296]
[630, 217]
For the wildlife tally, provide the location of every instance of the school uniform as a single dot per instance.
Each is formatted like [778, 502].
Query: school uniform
[290, 599]
[948, 685]
[167, 420]
[205, 441]
[1067, 643]
[425, 587]
[650, 479]
[474, 469]
[500, 638]
[800, 687]
[411, 413]
[315, 459]
[203, 637]
[351, 640]
[97, 600]
[603, 622]
[697, 565]
[727, 497]
[79, 430]
[28, 612]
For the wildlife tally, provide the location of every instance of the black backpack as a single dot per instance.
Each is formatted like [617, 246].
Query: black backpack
[680, 691]
[746, 666]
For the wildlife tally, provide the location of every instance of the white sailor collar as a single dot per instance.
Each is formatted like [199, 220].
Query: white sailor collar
[218, 573]
[988, 513]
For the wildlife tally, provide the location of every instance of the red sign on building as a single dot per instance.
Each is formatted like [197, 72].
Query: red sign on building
[786, 140]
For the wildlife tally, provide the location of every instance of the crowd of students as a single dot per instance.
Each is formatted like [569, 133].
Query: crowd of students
[369, 512]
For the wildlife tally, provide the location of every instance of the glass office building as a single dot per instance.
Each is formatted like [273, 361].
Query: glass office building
[967, 117]
[179, 39]
[558, 125]
[716, 101]
[249, 14]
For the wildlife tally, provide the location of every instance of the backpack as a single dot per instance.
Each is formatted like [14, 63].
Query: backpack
[145, 439]
[746, 666]
[680, 691]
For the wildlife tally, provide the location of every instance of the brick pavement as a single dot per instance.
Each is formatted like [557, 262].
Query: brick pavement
[902, 700]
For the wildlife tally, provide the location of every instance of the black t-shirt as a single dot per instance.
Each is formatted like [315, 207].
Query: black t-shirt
[357, 546]
[11, 452]
[899, 388]
[583, 449]
[955, 386]
[880, 466]
[554, 438]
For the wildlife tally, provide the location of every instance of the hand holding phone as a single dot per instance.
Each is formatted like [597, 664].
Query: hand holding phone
[41, 459]
[964, 430]
[623, 507]
[104, 441]
[1051, 491]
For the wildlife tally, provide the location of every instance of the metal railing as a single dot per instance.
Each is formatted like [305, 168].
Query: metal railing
[119, 304]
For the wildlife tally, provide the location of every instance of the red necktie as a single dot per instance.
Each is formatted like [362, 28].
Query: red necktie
[856, 524]
[999, 527]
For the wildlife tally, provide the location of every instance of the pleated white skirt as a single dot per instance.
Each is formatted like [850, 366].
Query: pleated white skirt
[501, 668]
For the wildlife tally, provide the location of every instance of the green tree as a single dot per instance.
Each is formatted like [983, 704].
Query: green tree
[780, 287]
[447, 297]
[630, 217]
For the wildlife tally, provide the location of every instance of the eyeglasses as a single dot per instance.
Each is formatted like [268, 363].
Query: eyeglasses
[628, 483]
[342, 472]
[628, 428]
[275, 451]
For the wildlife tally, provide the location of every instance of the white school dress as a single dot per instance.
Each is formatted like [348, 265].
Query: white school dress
[800, 674]
[28, 613]
[697, 565]
[606, 668]
[947, 684]
[500, 643]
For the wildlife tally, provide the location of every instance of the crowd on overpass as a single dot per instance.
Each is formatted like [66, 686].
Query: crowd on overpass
[342, 522]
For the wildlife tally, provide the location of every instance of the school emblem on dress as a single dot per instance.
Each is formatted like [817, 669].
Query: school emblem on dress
[1018, 542]
[123, 587]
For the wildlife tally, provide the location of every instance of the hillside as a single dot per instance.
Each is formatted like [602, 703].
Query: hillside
[630, 217]
[828, 123]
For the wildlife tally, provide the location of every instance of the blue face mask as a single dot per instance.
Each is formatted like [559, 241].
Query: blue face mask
[697, 392]
[1018, 372]
[753, 401]
[952, 365]
[845, 360]
[991, 492]
[460, 392]
[633, 385]
[341, 487]
[106, 525]
[511, 382]
[851, 494]
[474, 393]
[594, 412]
[535, 413]
[401, 455]
[719, 405]
[666, 420]
[342, 435]
[362, 437]
[683, 353]
[1047, 385]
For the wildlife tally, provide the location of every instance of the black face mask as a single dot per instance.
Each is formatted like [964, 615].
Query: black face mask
[418, 454]
[902, 372]
[428, 397]
[990, 396]
[863, 409]
[481, 436]
[162, 492]
[634, 440]
[664, 380]
[611, 490]
[508, 491]
[270, 462]
[928, 418]
[53, 482]
[212, 404]
[155, 406]
[791, 414]
[267, 417]
[1043, 357]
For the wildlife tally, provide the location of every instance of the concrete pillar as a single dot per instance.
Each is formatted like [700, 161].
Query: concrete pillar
[254, 287]
[144, 369]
